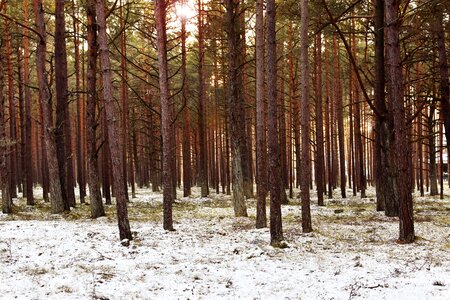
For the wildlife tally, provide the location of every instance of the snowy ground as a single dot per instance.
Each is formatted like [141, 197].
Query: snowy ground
[352, 253]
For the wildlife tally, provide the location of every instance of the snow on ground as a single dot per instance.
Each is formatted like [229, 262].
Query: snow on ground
[352, 253]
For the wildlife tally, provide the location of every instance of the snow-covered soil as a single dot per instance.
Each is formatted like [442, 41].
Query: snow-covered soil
[352, 253]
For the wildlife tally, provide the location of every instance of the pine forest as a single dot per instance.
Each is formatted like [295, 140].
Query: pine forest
[224, 149]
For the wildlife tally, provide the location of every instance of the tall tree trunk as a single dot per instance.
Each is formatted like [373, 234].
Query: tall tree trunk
[113, 127]
[166, 119]
[395, 96]
[4, 170]
[97, 208]
[81, 131]
[261, 146]
[56, 193]
[28, 166]
[444, 86]
[339, 108]
[203, 159]
[276, 228]
[12, 156]
[235, 99]
[187, 181]
[305, 126]
[63, 139]
[432, 151]
[320, 168]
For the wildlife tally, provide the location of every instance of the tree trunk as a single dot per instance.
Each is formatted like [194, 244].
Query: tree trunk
[113, 126]
[166, 120]
[320, 169]
[203, 160]
[63, 139]
[276, 228]
[261, 146]
[444, 86]
[395, 96]
[28, 166]
[235, 99]
[187, 181]
[305, 126]
[57, 200]
[97, 209]
[4, 170]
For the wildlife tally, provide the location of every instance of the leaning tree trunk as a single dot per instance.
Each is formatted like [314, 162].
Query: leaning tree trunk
[166, 120]
[115, 146]
[396, 103]
[56, 194]
[276, 228]
[97, 209]
[235, 98]
[261, 147]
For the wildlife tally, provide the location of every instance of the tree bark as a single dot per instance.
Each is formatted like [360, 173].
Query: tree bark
[113, 126]
[97, 209]
[320, 169]
[261, 146]
[63, 139]
[395, 96]
[305, 126]
[166, 119]
[56, 194]
[235, 99]
[4, 170]
[276, 227]
[28, 166]
[203, 159]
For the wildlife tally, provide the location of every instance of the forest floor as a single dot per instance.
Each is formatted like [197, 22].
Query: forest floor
[352, 253]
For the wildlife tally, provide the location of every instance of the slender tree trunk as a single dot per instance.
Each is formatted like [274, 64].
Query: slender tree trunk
[320, 168]
[4, 170]
[113, 128]
[28, 166]
[57, 200]
[80, 138]
[261, 146]
[276, 228]
[444, 86]
[304, 101]
[97, 208]
[12, 156]
[203, 160]
[236, 112]
[395, 96]
[187, 181]
[166, 119]
[432, 151]
[63, 140]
